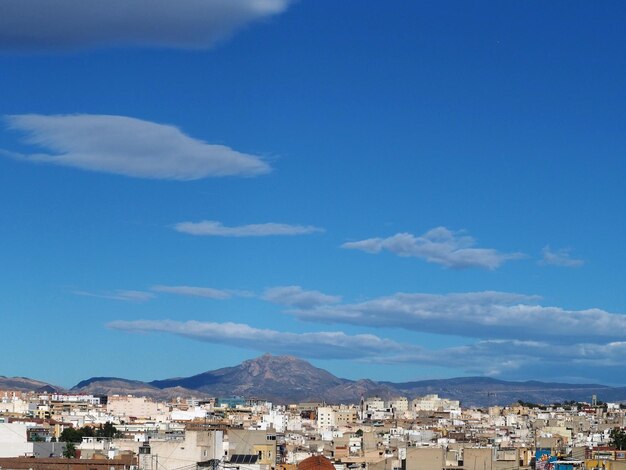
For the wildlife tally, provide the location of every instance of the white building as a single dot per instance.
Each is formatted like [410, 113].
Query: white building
[434, 403]
[325, 418]
[13, 442]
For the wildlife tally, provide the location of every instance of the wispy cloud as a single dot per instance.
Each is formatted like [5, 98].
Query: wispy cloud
[439, 245]
[520, 358]
[506, 358]
[326, 345]
[560, 257]
[217, 229]
[489, 358]
[296, 296]
[41, 24]
[128, 146]
[207, 292]
[125, 295]
[472, 314]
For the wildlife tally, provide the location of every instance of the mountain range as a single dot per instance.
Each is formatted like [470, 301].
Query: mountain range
[287, 379]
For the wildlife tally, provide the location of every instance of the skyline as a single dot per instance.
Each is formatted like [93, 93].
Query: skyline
[393, 192]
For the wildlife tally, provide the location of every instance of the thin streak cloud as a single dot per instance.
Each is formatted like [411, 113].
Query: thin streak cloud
[128, 146]
[124, 295]
[213, 228]
[322, 345]
[193, 291]
[296, 296]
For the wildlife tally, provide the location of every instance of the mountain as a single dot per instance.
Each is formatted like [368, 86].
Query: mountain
[281, 379]
[287, 379]
[352, 391]
[118, 386]
[24, 384]
[484, 391]
[278, 378]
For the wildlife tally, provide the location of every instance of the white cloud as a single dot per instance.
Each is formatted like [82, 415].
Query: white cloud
[217, 229]
[125, 295]
[296, 296]
[491, 357]
[207, 292]
[58, 24]
[439, 245]
[520, 358]
[472, 314]
[496, 357]
[130, 147]
[328, 345]
[560, 257]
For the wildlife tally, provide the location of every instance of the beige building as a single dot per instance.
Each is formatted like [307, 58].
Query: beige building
[425, 458]
[129, 406]
[260, 443]
[434, 403]
[171, 453]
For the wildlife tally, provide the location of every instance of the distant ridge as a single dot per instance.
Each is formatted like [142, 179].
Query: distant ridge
[288, 379]
[118, 386]
[98, 380]
[24, 384]
[485, 391]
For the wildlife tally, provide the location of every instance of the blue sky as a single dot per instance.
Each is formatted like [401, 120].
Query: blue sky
[397, 190]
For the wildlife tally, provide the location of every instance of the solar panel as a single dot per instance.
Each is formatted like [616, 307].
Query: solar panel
[243, 458]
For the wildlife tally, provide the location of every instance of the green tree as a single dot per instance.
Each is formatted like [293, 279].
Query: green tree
[618, 438]
[71, 435]
[108, 430]
[70, 450]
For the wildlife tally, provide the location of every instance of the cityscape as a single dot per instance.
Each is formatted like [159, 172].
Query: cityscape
[47, 428]
[312, 235]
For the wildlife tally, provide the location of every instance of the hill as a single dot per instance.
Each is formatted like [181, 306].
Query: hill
[24, 384]
[287, 379]
[484, 391]
[277, 378]
[118, 386]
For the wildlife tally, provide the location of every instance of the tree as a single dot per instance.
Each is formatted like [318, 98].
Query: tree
[618, 438]
[70, 450]
[71, 435]
[108, 430]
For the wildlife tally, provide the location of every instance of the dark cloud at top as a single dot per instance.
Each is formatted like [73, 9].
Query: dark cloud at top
[60, 24]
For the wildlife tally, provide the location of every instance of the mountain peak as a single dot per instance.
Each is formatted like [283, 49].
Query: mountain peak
[269, 360]
[278, 378]
[267, 357]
